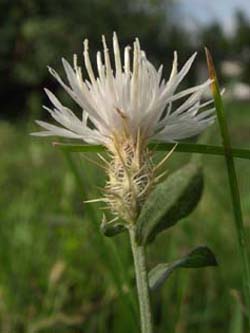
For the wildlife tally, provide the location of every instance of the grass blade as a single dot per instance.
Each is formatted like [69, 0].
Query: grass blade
[181, 148]
[235, 195]
[78, 148]
[200, 149]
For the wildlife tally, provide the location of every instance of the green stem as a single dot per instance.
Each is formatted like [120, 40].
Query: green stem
[141, 283]
[181, 148]
[235, 194]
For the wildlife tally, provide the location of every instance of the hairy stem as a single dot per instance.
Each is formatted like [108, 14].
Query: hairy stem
[141, 283]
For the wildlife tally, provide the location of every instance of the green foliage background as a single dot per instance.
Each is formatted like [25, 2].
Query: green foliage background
[57, 272]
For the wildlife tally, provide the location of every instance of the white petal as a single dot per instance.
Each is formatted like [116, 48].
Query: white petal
[131, 98]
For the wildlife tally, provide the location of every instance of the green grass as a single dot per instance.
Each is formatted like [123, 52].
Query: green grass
[59, 274]
[234, 187]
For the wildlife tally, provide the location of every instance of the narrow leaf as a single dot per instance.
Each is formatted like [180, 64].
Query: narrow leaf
[180, 148]
[112, 229]
[199, 149]
[201, 256]
[170, 201]
[84, 148]
[233, 182]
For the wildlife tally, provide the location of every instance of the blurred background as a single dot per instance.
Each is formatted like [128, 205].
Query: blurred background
[58, 273]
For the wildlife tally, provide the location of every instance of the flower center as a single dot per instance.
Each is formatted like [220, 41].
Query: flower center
[130, 175]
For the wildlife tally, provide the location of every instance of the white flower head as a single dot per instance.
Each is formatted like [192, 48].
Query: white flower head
[133, 97]
[123, 109]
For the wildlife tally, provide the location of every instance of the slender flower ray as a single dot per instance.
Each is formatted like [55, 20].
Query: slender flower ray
[139, 94]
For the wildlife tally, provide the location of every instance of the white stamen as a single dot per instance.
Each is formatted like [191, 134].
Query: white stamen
[106, 57]
[117, 55]
[87, 61]
[127, 59]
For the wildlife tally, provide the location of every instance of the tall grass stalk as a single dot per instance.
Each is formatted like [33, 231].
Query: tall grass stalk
[180, 148]
[235, 195]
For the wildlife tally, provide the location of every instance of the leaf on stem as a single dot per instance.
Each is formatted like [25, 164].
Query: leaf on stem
[169, 202]
[201, 256]
[111, 229]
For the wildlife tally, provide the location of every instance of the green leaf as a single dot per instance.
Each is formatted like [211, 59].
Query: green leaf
[181, 148]
[201, 256]
[170, 201]
[200, 149]
[112, 229]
